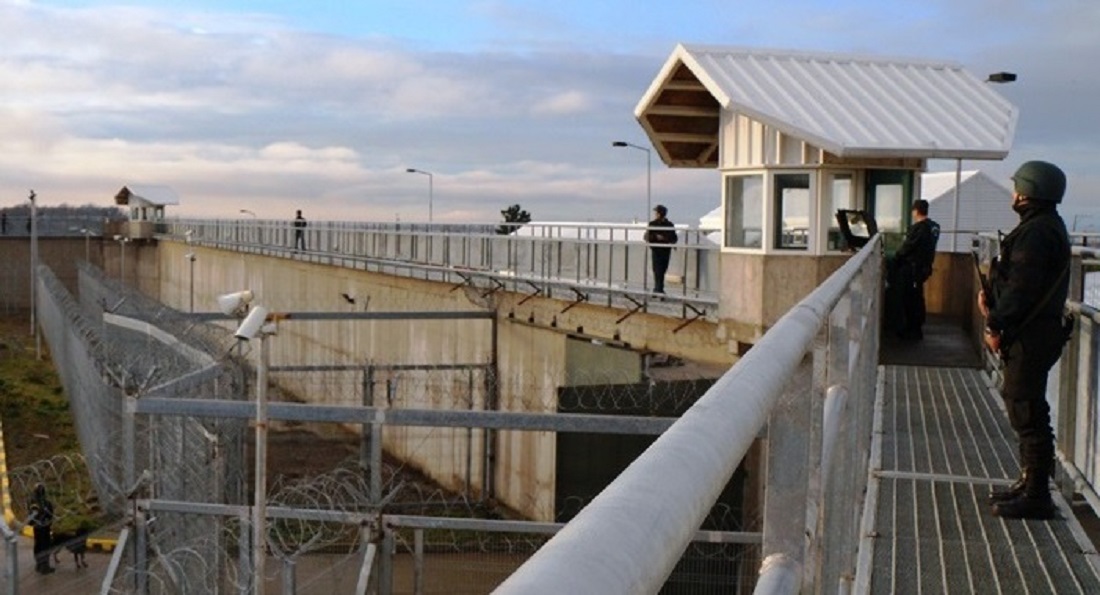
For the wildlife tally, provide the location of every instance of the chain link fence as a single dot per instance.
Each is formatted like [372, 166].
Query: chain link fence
[426, 504]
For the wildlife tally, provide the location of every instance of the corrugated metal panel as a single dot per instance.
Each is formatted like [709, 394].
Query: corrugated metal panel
[853, 106]
[984, 206]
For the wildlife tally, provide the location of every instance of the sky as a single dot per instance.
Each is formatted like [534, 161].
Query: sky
[323, 106]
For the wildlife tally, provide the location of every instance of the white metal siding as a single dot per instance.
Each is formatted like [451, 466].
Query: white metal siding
[984, 206]
[857, 106]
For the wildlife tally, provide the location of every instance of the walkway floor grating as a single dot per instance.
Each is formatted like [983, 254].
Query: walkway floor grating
[945, 441]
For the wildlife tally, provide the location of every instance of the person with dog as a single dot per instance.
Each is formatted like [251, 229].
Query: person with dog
[41, 520]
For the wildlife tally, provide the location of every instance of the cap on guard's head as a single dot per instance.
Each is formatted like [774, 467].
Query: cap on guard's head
[661, 210]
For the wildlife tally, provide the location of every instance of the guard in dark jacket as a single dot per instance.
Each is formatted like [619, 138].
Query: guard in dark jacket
[914, 266]
[1030, 281]
[40, 520]
[660, 254]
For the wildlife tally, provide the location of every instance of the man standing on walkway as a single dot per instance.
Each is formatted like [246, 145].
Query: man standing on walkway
[40, 520]
[1030, 282]
[299, 231]
[660, 254]
[914, 262]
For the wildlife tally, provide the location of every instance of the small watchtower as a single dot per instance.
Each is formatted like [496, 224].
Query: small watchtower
[146, 203]
[799, 135]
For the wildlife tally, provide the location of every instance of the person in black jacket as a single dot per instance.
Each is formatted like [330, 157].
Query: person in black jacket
[40, 520]
[660, 254]
[914, 266]
[299, 232]
[1030, 282]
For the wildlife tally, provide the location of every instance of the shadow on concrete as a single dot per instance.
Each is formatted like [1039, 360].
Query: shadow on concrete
[945, 345]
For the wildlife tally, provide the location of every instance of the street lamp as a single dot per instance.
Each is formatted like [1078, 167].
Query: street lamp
[34, 274]
[413, 170]
[122, 258]
[648, 199]
[247, 212]
[190, 257]
[996, 77]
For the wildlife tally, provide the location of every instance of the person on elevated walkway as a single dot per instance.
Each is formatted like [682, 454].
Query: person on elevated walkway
[660, 240]
[914, 266]
[1024, 324]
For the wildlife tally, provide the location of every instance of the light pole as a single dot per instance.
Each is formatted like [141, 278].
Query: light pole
[190, 257]
[34, 274]
[413, 170]
[259, 232]
[122, 258]
[996, 77]
[648, 200]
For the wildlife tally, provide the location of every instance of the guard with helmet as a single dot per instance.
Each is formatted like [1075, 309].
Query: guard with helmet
[1024, 324]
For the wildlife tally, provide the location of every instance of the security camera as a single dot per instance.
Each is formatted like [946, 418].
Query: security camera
[189, 256]
[253, 324]
[235, 304]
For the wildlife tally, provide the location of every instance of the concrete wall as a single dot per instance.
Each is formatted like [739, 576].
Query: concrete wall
[59, 253]
[758, 289]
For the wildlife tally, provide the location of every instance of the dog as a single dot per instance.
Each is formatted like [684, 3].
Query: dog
[77, 543]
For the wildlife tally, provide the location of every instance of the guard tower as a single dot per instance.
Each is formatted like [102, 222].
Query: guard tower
[146, 208]
[797, 136]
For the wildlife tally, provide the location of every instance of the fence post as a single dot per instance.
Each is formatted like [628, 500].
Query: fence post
[1066, 431]
[290, 576]
[11, 551]
[244, 553]
[418, 562]
[368, 401]
[385, 561]
[787, 471]
[141, 549]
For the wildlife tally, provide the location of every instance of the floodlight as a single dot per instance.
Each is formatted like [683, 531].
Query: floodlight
[252, 325]
[235, 304]
[189, 256]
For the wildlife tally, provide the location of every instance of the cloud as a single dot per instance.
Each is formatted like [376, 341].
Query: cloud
[248, 110]
[569, 102]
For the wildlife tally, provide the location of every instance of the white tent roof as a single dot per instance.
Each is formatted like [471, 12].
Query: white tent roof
[848, 105]
[146, 194]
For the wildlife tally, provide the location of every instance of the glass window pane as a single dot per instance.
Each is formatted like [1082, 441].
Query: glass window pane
[841, 196]
[792, 211]
[744, 211]
[889, 199]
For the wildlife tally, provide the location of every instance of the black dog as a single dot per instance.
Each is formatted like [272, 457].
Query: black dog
[77, 543]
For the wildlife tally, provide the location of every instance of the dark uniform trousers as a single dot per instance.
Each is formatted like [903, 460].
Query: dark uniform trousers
[1027, 364]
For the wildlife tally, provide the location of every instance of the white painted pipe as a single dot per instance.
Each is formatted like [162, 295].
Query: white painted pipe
[629, 538]
[836, 397]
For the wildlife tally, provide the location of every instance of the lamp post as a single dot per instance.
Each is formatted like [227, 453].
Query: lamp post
[122, 258]
[648, 199]
[413, 170]
[996, 77]
[34, 273]
[190, 257]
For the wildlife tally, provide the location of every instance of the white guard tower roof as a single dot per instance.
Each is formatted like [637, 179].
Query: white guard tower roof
[146, 195]
[847, 105]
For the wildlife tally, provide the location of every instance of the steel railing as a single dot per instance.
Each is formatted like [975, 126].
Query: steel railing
[810, 381]
[605, 259]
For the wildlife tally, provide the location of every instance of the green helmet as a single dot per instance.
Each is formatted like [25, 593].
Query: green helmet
[1041, 181]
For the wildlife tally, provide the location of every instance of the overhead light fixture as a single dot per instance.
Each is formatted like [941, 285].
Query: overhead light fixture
[1001, 77]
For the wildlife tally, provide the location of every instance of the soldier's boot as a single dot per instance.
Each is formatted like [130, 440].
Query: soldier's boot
[1011, 492]
[1033, 503]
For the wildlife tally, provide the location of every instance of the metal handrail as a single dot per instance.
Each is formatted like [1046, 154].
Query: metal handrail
[629, 538]
[604, 259]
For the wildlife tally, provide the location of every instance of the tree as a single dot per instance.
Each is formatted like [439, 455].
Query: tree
[514, 218]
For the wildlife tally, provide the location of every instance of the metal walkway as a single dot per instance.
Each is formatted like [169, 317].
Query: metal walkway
[944, 441]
